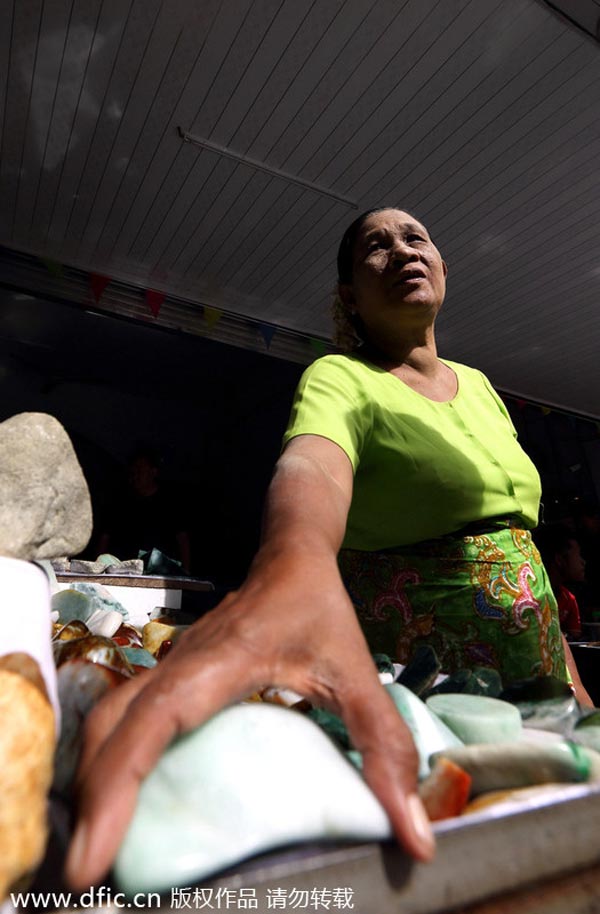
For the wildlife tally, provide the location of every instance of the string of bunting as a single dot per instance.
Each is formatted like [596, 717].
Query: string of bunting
[547, 411]
[155, 299]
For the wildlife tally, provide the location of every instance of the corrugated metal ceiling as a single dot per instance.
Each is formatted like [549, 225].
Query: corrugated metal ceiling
[481, 116]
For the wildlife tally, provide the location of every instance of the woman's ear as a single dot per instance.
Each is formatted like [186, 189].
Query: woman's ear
[346, 293]
[445, 267]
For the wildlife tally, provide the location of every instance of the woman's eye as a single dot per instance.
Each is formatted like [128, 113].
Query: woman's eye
[415, 237]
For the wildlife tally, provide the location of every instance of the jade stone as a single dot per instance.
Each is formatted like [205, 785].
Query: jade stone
[139, 656]
[589, 718]
[479, 681]
[333, 725]
[101, 597]
[71, 604]
[252, 778]
[518, 764]
[587, 730]
[429, 732]
[545, 703]
[384, 664]
[477, 718]
[588, 736]
[421, 671]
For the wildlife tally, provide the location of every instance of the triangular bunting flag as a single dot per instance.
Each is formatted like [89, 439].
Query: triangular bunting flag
[521, 403]
[98, 284]
[546, 410]
[318, 346]
[154, 301]
[212, 316]
[53, 267]
[268, 332]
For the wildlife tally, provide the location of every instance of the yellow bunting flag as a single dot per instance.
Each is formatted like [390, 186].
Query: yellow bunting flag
[546, 411]
[212, 316]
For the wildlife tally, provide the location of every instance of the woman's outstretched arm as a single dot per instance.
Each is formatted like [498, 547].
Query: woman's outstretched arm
[290, 624]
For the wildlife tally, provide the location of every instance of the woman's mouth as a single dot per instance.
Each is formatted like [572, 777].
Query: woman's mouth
[409, 279]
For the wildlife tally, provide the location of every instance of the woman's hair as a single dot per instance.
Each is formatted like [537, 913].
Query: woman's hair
[348, 330]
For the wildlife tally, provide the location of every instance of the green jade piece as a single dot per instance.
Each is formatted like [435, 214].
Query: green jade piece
[71, 604]
[101, 597]
[139, 656]
[477, 718]
[518, 764]
[587, 730]
[429, 732]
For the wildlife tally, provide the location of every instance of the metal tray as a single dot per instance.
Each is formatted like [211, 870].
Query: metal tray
[540, 857]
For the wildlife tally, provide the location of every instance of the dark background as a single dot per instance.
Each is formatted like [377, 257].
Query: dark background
[216, 414]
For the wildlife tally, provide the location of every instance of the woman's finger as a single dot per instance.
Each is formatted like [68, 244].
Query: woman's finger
[105, 716]
[390, 766]
[183, 694]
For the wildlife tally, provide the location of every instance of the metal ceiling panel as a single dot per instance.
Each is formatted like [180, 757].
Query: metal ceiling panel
[479, 115]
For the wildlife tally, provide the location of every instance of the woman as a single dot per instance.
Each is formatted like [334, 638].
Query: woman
[437, 547]
[292, 622]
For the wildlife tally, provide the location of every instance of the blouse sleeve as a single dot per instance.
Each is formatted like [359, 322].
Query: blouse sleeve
[329, 403]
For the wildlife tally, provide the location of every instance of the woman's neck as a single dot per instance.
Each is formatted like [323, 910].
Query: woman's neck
[418, 366]
[418, 353]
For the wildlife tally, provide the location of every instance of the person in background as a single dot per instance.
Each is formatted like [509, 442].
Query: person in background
[403, 468]
[565, 565]
[146, 514]
[587, 531]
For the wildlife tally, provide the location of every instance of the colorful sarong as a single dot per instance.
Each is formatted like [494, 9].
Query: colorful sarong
[478, 600]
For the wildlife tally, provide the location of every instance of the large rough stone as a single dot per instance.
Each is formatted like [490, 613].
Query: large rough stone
[45, 508]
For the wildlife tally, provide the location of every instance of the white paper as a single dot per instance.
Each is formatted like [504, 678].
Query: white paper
[25, 617]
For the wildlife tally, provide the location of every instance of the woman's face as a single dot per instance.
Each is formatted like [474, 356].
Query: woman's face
[398, 273]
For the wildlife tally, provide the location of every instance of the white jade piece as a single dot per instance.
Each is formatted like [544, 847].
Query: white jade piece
[254, 777]
[104, 622]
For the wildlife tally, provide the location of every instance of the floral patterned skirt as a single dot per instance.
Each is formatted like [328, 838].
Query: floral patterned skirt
[478, 600]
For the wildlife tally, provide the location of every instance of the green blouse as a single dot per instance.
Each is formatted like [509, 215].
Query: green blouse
[422, 469]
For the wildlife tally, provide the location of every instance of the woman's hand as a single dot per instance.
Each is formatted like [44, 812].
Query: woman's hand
[291, 624]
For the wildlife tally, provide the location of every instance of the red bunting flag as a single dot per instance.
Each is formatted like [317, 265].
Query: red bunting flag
[521, 404]
[154, 301]
[98, 284]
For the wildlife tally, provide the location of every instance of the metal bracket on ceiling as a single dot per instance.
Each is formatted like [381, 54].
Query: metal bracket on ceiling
[228, 153]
